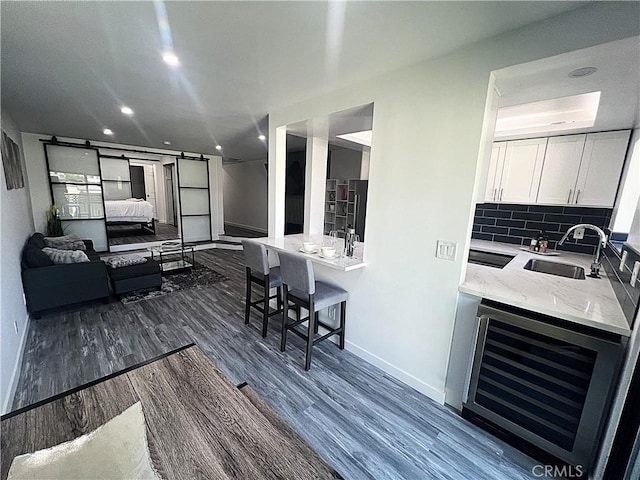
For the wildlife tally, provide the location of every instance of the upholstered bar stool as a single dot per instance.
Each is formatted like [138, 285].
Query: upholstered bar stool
[302, 290]
[258, 271]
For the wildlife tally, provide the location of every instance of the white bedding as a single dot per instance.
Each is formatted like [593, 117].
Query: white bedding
[131, 210]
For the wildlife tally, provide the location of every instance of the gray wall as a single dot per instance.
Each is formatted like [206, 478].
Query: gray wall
[16, 224]
[245, 193]
[345, 163]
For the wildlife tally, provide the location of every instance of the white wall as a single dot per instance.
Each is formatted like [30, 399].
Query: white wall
[345, 163]
[16, 224]
[427, 131]
[245, 194]
[39, 183]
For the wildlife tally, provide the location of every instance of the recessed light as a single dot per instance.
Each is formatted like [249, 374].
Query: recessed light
[107, 131]
[170, 58]
[218, 147]
[126, 110]
[166, 142]
[582, 72]
[262, 137]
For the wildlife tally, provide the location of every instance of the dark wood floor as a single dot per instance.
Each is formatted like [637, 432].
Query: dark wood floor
[367, 424]
[125, 234]
[235, 231]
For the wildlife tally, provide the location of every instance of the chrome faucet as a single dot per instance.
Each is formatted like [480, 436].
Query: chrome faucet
[597, 257]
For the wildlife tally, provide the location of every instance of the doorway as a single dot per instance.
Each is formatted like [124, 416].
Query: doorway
[169, 174]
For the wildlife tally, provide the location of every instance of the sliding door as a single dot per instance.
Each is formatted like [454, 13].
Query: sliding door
[74, 175]
[195, 206]
[116, 178]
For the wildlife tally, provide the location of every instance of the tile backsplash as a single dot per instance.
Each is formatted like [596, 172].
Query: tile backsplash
[517, 224]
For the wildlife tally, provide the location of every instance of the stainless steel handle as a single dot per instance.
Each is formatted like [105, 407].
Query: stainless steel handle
[500, 198]
[577, 195]
[495, 193]
[569, 197]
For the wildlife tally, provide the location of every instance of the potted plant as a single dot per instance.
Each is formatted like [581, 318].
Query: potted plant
[54, 224]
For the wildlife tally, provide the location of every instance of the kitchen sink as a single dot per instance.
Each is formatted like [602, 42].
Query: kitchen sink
[489, 259]
[555, 268]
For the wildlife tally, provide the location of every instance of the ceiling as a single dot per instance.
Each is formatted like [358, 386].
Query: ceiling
[617, 77]
[67, 67]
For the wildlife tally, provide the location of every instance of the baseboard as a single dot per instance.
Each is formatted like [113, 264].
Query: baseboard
[419, 385]
[247, 227]
[17, 367]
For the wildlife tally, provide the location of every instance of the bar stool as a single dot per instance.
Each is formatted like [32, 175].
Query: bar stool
[302, 290]
[258, 271]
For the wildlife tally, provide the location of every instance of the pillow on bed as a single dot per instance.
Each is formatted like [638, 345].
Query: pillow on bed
[58, 256]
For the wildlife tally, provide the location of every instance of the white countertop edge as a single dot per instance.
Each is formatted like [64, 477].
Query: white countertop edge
[292, 244]
[547, 311]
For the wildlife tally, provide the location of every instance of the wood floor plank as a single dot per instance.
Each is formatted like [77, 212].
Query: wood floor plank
[364, 422]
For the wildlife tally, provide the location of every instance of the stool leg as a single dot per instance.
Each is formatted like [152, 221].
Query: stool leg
[265, 307]
[285, 319]
[343, 318]
[279, 298]
[315, 325]
[310, 330]
[247, 305]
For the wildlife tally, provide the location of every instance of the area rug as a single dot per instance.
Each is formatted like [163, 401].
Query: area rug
[199, 277]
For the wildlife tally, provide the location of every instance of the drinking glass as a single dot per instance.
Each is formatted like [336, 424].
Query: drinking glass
[333, 238]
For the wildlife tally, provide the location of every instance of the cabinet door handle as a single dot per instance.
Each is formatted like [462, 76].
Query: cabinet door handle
[569, 197]
[495, 193]
[501, 190]
[577, 195]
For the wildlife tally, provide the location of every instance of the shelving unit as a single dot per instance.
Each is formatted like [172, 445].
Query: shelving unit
[339, 205]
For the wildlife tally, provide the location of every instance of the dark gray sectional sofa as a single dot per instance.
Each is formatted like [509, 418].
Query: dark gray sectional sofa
[47, 285]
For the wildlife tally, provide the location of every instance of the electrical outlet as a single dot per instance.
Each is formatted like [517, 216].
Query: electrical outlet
[578, 234]
[446, 250]
[15, 325]
[634, 274]
[623, 261]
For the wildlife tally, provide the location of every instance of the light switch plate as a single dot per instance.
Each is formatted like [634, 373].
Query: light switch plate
[578, 234]
[446, 250]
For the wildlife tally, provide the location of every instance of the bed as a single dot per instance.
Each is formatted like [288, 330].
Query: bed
[132, 211]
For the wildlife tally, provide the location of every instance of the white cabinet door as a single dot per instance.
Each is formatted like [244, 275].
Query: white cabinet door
[601, 168]
[560, 169]
[522, 170]
[495, 171]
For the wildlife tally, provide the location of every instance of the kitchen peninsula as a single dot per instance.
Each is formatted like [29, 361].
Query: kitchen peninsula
[293, 244]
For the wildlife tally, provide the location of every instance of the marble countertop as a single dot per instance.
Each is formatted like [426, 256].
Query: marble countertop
[293, 244]
[591, 302]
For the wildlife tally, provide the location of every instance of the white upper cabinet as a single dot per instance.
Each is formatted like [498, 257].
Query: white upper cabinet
[601, 168]
[580, 169]
[560, 169]
[495, 171]
[522, 169]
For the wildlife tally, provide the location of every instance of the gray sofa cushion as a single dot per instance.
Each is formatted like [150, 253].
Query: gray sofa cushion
[35, 257]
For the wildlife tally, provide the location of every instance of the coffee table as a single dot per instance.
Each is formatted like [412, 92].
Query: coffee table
[174, 256]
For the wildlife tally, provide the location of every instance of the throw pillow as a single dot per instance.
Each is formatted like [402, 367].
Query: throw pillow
[65, 256]
[62, 243]
[35, 257]
[70, 245]
[125, 260]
